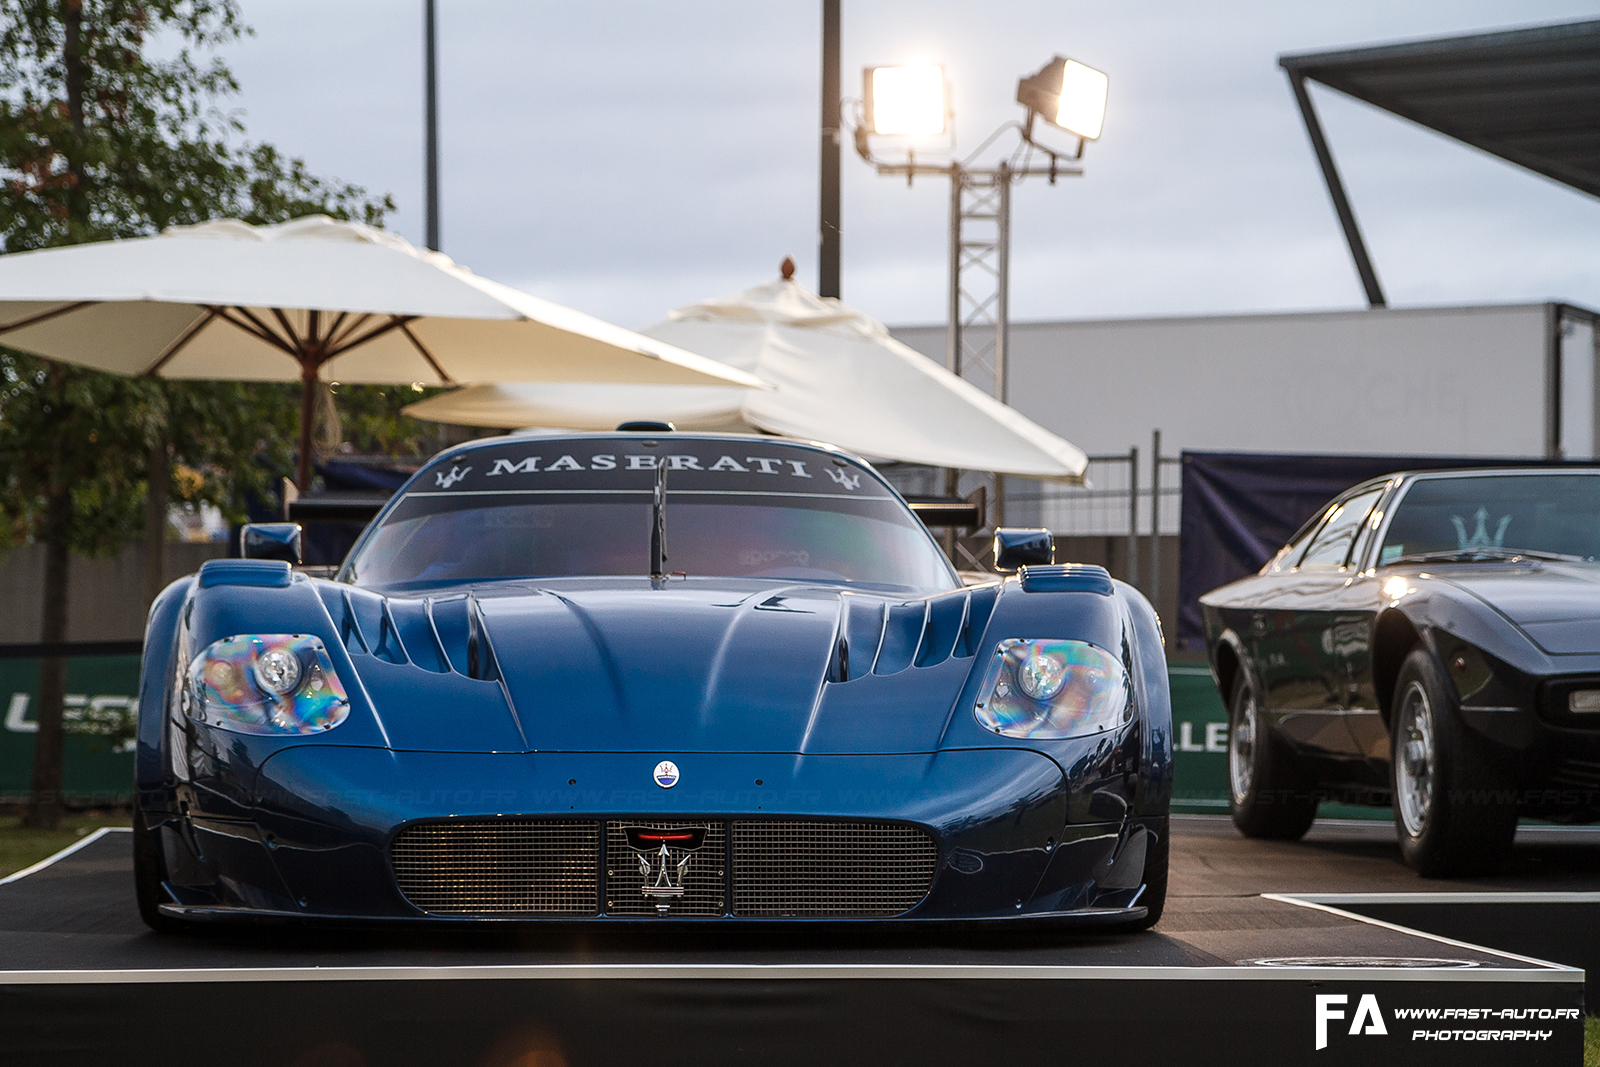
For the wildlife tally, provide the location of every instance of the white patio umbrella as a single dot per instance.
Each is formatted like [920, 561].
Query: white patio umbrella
[309, 298]
[835, 374]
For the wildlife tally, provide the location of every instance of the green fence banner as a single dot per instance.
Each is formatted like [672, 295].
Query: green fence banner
[1199, 742]
[102, 706]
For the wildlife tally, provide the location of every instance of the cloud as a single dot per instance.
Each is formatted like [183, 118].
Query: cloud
[628, 157]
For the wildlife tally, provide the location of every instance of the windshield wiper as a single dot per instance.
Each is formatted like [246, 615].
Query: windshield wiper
[658, 524]
[1487, 555]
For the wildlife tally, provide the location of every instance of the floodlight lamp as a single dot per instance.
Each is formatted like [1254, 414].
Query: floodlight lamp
[905, 101]
[1068, 94]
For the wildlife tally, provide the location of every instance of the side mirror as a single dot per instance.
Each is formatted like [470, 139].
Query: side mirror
[271, 540]
[1015, 548]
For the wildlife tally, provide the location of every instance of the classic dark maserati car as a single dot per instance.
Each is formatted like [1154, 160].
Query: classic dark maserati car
[656, 677]
[1428, 640]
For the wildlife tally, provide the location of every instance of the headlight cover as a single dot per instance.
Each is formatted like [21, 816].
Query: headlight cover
[1053, 689]
[267, 684]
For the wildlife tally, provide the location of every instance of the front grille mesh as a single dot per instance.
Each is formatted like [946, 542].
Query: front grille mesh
[830, 869]
[703, 880]
[500, 866]
[551, 867]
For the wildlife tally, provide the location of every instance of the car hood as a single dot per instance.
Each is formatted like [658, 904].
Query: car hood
[1556, 604]
[690, 667]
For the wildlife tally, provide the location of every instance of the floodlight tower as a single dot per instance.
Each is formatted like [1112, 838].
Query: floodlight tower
[910, 105]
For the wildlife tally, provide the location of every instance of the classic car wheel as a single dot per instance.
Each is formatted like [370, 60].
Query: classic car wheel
[1450, 813]
[1268, 794]
[148, 874]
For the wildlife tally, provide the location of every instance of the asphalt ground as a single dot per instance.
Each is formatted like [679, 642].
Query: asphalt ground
[79, 914]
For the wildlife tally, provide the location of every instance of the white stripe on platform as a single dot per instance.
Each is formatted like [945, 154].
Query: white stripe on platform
[1306, 901]
[64, 853]
[1466, 897]
[791, 972]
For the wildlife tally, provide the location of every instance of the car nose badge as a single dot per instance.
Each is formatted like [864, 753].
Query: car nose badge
[664, 857]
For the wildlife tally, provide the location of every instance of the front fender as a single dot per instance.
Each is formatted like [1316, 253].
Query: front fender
[1131, 771]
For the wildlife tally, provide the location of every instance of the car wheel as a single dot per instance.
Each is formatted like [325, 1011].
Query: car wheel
[1451, 814]
[1154, 897]
[1269, 795]
[148, 874]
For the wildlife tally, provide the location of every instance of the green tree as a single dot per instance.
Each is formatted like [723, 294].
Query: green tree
[101, 138]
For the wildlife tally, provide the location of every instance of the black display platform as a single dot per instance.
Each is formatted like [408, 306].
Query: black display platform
[1229, 977]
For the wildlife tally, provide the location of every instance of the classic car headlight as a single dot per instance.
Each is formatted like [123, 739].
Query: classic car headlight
[267, 684]
[1036, 688]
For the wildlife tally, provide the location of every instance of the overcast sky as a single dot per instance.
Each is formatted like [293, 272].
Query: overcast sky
[631, 156]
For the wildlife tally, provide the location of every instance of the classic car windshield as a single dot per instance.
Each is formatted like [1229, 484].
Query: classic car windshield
[1494, 515]
[811, 518]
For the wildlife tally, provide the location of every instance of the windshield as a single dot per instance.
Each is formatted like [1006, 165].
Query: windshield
[488, 516]
[1497, 515]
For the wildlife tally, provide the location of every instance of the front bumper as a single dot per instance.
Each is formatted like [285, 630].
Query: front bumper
[324, 820]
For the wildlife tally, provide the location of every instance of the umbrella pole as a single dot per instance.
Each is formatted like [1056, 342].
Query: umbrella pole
[308, 400]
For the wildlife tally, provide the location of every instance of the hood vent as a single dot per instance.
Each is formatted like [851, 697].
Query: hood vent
[458, 626]
[441, 635]
[885, 638]
[1067, 578]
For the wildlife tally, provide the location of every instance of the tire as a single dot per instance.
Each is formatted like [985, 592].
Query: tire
[1154, 897]
[1451, 814]
[148, 874]
[1269, 795]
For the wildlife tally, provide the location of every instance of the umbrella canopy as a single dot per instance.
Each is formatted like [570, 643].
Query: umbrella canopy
[835, 375]
[309, 298]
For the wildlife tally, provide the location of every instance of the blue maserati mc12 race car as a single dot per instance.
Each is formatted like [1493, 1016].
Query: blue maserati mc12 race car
[650, 676]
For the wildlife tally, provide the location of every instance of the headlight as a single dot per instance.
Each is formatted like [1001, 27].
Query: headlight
[267, 684]
[1053, 689]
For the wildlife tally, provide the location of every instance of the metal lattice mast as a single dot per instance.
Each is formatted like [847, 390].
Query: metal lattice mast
[979, 294]
[980, 253]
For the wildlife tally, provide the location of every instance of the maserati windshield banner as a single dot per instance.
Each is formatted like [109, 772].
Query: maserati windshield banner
[704, 466]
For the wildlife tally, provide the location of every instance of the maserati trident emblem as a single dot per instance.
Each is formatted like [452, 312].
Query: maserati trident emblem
[456, 474]
[666, 774]
[664, 857]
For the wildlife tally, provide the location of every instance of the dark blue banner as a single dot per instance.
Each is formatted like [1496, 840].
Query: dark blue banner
[1239, 508]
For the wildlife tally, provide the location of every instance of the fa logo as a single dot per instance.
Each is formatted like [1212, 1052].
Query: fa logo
[447, 480]
[1366, 1013]
[845, 478]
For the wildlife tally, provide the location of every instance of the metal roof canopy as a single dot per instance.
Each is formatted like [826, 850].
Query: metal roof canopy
[1529, 96]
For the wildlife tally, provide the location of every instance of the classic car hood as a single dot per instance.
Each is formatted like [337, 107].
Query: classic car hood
[1556, 604]
[690, 668]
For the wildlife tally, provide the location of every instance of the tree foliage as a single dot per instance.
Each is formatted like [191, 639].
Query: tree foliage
[111, 126]
[100, 137]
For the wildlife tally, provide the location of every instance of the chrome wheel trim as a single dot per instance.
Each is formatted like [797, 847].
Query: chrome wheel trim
[1415, 760]
[1242, 748]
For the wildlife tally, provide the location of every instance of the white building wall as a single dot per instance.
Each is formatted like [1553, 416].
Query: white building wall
[1579, 358]
[1432, 381]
